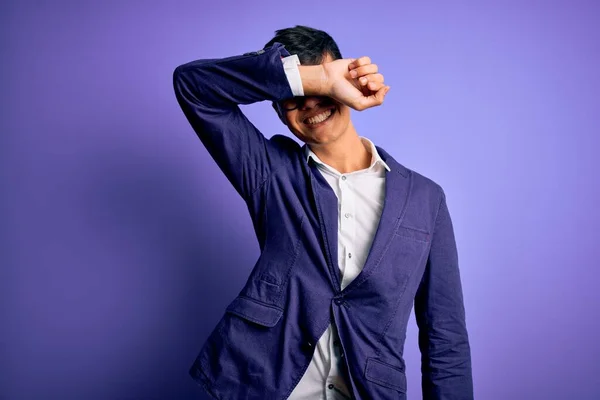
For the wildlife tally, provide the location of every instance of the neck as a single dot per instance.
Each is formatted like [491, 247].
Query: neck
[346, 154]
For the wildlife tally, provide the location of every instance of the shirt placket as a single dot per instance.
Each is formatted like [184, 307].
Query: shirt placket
[347, 228]
[335, 387]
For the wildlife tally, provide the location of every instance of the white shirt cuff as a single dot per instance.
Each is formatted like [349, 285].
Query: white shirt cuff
[290, 66]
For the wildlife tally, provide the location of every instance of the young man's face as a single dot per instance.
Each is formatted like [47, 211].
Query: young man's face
[316, 119]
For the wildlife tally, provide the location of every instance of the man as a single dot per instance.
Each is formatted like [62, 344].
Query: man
[349, 237]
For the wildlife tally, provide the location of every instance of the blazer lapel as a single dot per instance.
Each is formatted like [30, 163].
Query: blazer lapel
[397, 190]
[327, 210]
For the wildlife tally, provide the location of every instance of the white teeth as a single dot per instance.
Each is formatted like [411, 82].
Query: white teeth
[319, 118]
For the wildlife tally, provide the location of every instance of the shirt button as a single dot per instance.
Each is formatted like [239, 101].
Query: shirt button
[347, 215]
[330, 386]
[349, 255]
[343, 177]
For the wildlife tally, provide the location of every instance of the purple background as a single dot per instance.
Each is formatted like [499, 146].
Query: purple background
[122, 242]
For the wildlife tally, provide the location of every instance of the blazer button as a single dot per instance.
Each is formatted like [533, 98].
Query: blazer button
[338, 301]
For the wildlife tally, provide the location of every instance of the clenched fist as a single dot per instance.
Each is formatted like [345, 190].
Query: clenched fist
[356, 83]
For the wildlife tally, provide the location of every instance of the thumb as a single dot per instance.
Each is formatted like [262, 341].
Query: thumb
[372, 100]
[375, 99]
[380, 95]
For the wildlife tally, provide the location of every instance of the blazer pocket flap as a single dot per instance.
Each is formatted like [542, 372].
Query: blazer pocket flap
[385, 375]
[255, 311]
[413, 233]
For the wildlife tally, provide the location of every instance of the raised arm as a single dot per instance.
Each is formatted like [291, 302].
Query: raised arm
[440, 315]
[210, 92]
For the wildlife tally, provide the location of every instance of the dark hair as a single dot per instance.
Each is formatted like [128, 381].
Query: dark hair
[311, 45]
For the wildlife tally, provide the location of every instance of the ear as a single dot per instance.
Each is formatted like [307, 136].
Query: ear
[279, 112]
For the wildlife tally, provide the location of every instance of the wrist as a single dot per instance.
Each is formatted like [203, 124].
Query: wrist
[314, 80]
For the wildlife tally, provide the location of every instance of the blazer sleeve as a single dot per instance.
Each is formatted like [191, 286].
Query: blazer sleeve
[440, 316]
[210, 91]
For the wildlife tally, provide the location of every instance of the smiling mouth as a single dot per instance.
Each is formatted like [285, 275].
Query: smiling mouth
[319, 118]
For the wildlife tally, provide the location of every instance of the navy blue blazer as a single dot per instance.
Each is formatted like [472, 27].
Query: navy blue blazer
[265, 340]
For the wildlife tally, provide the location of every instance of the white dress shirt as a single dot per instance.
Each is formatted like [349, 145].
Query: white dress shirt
[360, 197]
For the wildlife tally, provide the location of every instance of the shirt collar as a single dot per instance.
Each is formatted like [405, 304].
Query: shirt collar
[375, 157]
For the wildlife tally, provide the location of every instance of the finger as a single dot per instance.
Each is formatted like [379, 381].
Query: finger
[364, 70]
[363, 88]
[375, 86]
[362, 83]
[359, 62]
[363, 80]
